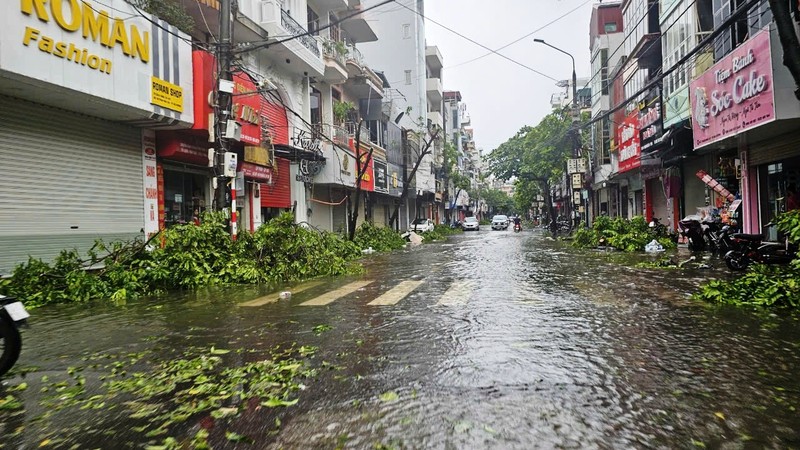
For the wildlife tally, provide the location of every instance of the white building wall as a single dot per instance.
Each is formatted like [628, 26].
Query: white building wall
[400, 48]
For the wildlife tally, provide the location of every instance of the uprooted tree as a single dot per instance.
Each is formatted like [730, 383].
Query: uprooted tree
[416, 154]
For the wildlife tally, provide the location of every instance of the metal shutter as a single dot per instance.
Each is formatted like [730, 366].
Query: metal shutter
[772, 150]
[68, 179]
[275, 115]
[279, 194]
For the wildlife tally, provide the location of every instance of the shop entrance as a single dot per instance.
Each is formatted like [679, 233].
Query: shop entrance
[185, 196]
[782, 181]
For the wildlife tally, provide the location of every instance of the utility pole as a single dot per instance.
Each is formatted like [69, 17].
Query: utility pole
[224, 162]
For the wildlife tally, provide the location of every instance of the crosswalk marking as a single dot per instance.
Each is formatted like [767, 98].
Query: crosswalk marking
[274, 297]
[457, 294]
[397, 293]
[332, 296]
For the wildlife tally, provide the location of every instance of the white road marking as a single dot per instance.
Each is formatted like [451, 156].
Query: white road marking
[458, 293]
[397, 293]
[332, 296]
[274, 297]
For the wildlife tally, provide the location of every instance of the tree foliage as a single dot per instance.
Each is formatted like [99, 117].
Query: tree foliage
[171, 11]
[536, 157]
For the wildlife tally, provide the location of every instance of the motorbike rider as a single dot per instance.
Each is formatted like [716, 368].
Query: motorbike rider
[517, 222]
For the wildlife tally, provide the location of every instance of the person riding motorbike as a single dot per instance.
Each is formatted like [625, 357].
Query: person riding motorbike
[517, 225]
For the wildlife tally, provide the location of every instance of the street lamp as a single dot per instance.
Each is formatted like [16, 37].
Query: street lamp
[576, 147]
[574, 80]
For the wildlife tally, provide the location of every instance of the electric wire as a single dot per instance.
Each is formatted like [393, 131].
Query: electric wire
[478, 43]
[256, 46]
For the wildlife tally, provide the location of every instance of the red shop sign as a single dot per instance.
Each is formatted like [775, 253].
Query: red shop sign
[367, 170]
[177, 147]
[630, 150]
[246, 102]
[256, 172]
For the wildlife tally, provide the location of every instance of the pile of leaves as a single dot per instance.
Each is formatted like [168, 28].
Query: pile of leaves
[440, 233]
[159, 394]
[626, 235]
[185, 257]
[380, 239]
[768, 286]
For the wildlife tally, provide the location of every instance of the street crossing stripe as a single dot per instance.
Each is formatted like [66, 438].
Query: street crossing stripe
[275, 296]
[397, 293]
[332, 296]
[458, 293]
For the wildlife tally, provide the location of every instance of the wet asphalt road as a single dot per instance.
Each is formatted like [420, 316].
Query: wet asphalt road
[490, 340]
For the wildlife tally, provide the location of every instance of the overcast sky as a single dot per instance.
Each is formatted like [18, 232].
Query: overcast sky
[502, 96]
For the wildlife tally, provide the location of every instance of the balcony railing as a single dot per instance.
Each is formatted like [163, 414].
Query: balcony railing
[295, 29]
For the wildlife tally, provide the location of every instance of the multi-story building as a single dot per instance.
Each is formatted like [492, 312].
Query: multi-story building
[744, 119]
[605, 44]
[79, 109]
[434, 93]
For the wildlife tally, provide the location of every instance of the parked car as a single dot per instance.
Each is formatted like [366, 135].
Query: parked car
[421, 225]
[471, 223]
[500, 222]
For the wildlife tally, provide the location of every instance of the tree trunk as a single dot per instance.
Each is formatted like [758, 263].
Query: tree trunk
[789, 40]
[551, 210]
[361, 168]
[395, 217]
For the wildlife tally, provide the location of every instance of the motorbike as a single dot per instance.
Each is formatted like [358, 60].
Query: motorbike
[719, 237]
[750, 248]
[692, 228]
[12, 316]
[517, 227]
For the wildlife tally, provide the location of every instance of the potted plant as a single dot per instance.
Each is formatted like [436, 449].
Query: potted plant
[341, 109]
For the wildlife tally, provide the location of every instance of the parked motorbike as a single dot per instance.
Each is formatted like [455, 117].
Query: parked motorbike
[691, 227]
[12, 316]
[750, 248]
[719, 236]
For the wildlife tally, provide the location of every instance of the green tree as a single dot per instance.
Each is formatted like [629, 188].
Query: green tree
[536, 156]
[497, 200]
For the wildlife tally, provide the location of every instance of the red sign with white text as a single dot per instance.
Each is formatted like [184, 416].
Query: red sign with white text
[256, 172]
[368, 172]
[735, 94]
[630, 150]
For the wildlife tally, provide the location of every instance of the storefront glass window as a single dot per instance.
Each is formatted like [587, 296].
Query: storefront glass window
[184, 197]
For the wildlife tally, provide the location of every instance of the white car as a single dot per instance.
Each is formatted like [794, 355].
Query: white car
[500, 222]
[471, 223]
[421, 225]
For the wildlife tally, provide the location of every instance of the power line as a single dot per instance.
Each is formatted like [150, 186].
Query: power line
[308, 33]
[478, 43]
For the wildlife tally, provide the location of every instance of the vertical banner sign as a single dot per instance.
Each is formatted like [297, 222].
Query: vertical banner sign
[162, 214]
[150, 184]
[628, 137]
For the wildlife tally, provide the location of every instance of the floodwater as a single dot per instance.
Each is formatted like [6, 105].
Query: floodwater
[490, 340]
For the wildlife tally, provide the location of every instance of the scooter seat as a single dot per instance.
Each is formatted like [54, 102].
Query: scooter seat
[748, 237]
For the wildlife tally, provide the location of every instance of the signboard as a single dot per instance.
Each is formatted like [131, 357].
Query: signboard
[309, 169]
[381, 180]
[247, 108]
[628, 137]
[651, 123]
[735, 94]
[394, 178]
[104, 49]
[150, 173]
[366, 169]
[256, 172]
[577, 180]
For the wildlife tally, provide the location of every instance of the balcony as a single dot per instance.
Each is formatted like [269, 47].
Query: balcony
[357, 27]
[433, 58]
[303, 54]
[329, 5]
[335, 56]
[433, 87]
[435, 118]
[362, 81]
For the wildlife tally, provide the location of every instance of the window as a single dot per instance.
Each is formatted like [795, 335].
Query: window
[408, 77]
[316, 106]
[313, 22]
[336, 94]
[610, 27]
[406, 31]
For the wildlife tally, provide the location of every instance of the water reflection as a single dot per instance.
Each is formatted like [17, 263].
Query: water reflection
[551, 347]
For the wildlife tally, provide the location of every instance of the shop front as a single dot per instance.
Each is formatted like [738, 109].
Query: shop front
[383, 201]
[746, 118]
[76, 124]
[394, 180]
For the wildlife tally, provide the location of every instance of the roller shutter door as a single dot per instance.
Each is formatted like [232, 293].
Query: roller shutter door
[68, 179]
[279, 194]
[776, 149]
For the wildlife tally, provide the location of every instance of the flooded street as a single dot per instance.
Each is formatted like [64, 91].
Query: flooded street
[490, 340]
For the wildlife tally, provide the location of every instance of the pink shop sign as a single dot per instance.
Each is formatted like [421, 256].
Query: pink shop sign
[735, 94]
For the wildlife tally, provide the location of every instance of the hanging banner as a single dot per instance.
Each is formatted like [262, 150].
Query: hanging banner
[630, 151]
[714, 184]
